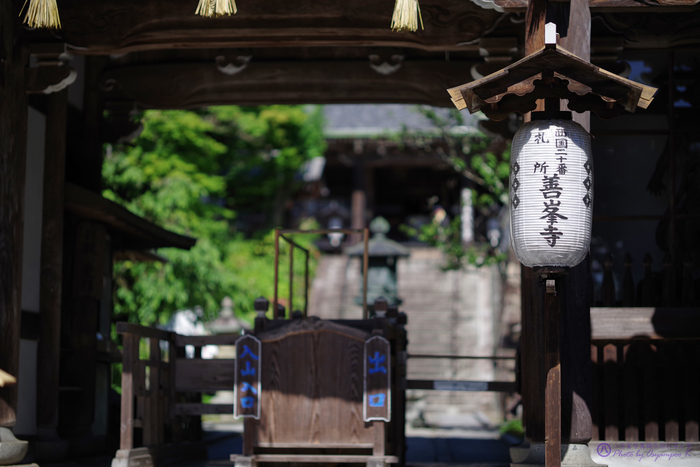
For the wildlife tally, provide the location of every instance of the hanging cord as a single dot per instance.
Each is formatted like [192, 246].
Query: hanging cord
[42, 14]
[406, 16]
[216, 8]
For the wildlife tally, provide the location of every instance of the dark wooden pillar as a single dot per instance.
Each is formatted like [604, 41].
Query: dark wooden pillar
[50, 289]
[79, 324]
[13, 149]
[84, 159]
[532, 355]
[575, 350]
[573, 26]
[575, 36]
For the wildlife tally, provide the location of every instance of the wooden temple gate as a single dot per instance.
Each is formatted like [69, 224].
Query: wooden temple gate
[133, 54]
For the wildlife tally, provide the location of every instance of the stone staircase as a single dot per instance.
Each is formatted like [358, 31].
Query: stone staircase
[449, 313]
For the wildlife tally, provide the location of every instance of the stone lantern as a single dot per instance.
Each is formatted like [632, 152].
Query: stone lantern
[226, 323]
[381, 272]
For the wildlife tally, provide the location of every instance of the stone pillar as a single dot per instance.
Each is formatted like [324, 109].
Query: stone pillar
[359, 199]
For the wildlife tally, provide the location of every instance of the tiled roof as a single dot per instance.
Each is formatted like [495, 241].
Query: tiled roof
[358, 120]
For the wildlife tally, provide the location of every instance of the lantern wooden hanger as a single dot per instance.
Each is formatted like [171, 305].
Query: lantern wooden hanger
[551, 72]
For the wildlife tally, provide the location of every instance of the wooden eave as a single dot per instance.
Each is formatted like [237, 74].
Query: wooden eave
[138, 233]
[140, 256]
[177, 85]
[111, 27]
[609, 6]
[551, 72]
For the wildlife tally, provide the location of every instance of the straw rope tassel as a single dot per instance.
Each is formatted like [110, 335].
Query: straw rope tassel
[406, 16]
[42, 14]
[214, 8]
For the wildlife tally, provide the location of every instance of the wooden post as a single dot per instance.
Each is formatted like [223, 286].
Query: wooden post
[13, 149]
[79, 325]
[51, 280]
[291, 280]
[277, 266]
[130, 354]
[573, 26]
[87, 165]
[575, 354]
[552, 392]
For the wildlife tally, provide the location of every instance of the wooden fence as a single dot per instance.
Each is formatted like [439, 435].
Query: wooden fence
[669, 284]
[161, 404]
[646, 356]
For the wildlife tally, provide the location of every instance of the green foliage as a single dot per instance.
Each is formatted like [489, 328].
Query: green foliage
[512, 427]
[194, 172]
[485, 163]
[448, 238]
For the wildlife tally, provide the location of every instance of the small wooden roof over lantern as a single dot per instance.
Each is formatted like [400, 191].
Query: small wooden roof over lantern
[551, 72]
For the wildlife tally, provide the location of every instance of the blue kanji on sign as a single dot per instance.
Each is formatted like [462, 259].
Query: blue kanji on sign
[248, 370]
[248, 387]
[378, 358]
[377, 400]
[248, 352]
[247, 402]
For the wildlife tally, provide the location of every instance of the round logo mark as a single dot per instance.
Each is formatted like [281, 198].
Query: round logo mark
[604, 449]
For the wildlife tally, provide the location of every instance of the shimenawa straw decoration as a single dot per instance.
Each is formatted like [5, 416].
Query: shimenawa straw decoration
[42, 14]
[406, 16]
[214, 8]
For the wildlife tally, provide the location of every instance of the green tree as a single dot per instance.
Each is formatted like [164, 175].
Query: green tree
[195, 172]
[485, 163]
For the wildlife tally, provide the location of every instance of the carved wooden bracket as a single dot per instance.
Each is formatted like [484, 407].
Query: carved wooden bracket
[551, 72]
[497, 52]
[386, 62]
[51, 73]
[231, 65]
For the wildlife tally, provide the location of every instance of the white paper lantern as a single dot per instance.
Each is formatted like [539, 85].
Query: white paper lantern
[551, 191]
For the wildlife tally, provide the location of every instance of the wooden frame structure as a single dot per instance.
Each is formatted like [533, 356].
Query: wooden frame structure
[281, 234]
[319, 418]
[156, 54]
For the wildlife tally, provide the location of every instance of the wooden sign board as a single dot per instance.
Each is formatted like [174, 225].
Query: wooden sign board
[246, 386]
[377, 390]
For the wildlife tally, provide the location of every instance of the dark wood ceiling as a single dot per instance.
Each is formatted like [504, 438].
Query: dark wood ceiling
[159, 54]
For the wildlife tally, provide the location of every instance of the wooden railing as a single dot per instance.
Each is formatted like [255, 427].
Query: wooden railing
[161, 393]
[671, 285]
[646, 374]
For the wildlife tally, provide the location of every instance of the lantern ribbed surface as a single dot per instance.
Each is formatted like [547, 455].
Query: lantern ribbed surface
[551, 193]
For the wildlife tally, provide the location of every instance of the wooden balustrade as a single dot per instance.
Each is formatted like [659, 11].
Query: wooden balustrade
[670, 286]
[646, 363]
[161, 403]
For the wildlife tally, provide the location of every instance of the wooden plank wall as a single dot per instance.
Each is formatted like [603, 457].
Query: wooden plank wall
[312, 392]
